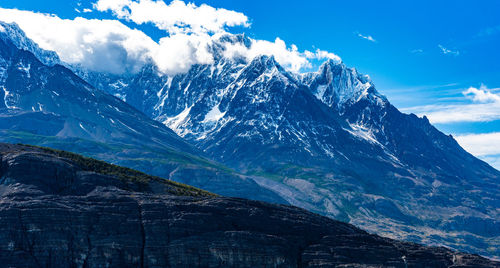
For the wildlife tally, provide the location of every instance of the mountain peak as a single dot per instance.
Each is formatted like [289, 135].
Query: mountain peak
[264, 61]
[332, 62]
[336, 85]
[12, 32]
[331, 67]
[267, 68]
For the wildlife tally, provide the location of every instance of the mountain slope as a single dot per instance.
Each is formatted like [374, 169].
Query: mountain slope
[49, 105]
[330, 142]
[77, 211]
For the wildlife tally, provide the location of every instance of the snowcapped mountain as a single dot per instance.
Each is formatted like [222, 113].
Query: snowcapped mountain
[338, 86]
[31, 87]
[14, 34]
[328, 141]
[49, 105]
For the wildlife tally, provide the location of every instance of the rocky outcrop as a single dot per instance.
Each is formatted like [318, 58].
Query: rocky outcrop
[62, 210]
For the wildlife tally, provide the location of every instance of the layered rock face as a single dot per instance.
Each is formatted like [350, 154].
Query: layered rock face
[57, 211]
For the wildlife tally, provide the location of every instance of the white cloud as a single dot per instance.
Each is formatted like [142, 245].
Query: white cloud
[321, 54]
[111, 46]
[176, 17]
[176, 54]
[486, 108]
[101, 45]
[481, 144]
[481, 94]
[493, 160]
[367, 37]
[289, 57]
[417, 51]
[444, 114]
[200, 22]
[447, 51]
[87, 10]
[485, 146]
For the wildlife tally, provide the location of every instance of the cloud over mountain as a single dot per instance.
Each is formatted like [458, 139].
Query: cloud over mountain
[111, 46]
[100, 45]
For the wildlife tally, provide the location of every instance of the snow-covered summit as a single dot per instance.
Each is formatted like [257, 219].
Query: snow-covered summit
[337, 85]
[12, 32]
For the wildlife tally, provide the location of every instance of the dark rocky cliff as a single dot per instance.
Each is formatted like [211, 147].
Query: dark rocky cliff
[62, 210]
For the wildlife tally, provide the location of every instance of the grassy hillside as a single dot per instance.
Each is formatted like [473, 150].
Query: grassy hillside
[124, 174]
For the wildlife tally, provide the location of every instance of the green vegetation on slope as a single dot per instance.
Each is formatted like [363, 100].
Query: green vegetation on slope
[125, 174]
[95, 149]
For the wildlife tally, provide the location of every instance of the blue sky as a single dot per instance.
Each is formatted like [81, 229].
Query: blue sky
[422, 54]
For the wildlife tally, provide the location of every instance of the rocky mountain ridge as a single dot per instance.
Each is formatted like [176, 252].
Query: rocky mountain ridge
[329, 142]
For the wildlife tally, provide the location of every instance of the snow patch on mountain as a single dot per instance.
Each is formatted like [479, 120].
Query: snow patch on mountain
[82, 127]
[24, 68]
[213, 115]
[362, 133]
[176, 122]
[120, 96]
[5, 97]
[320, 92]
[119, 84]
